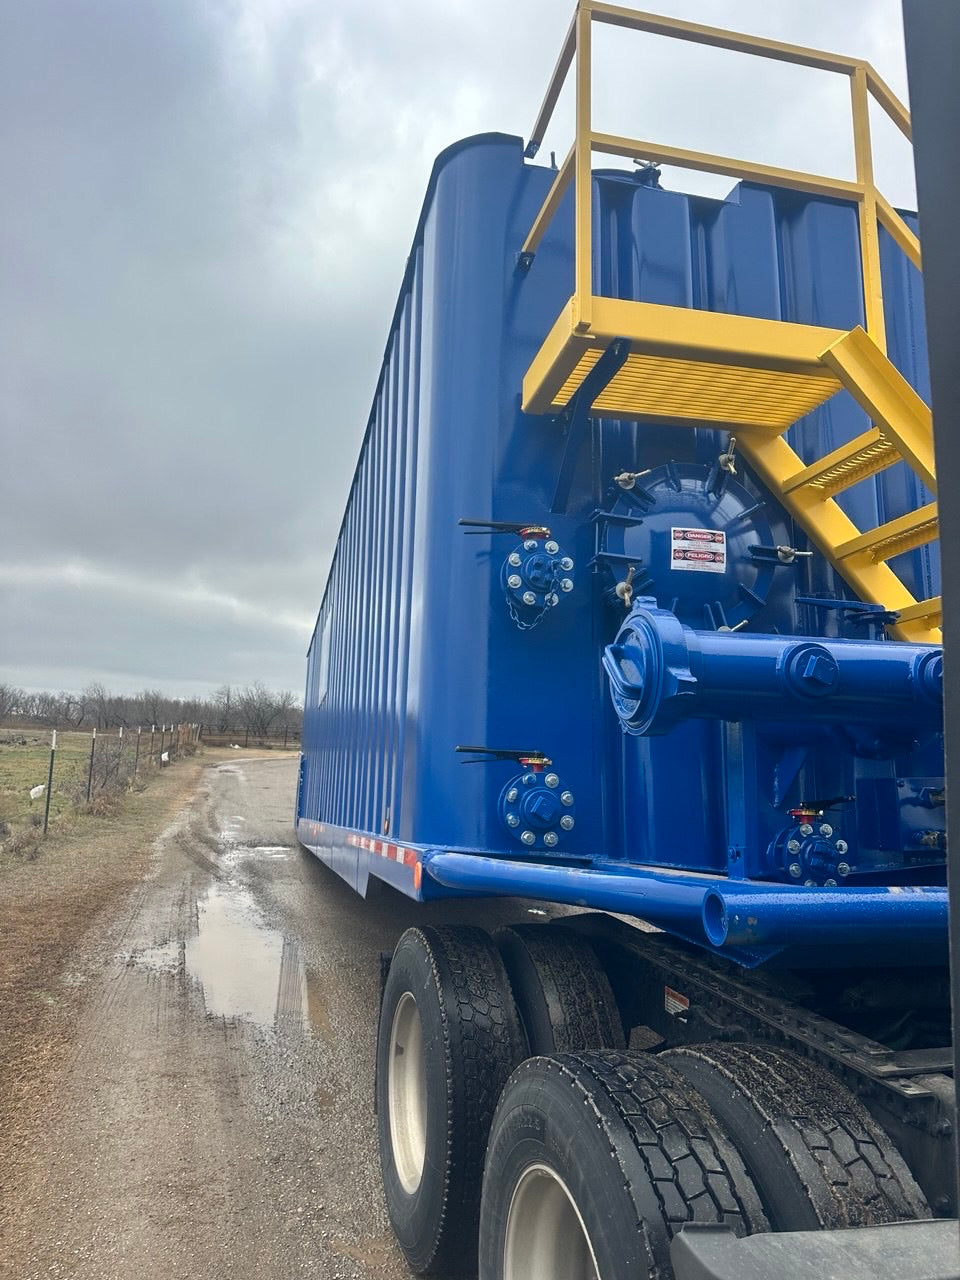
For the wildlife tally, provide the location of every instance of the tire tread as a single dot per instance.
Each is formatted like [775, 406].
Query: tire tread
[851, 1171]
[574, 987]
[693, 1167]
[482, 1043]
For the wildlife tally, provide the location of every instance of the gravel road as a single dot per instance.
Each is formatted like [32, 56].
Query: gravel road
[215, 1116]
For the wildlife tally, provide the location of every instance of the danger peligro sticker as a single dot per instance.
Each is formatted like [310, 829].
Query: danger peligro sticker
[698, 550]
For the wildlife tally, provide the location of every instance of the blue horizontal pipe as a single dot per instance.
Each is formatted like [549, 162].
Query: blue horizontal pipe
[662, 672]
[721, 912]
[749, 917]
[664, 900]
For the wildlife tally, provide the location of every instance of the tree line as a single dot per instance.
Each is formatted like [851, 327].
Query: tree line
[253, 709]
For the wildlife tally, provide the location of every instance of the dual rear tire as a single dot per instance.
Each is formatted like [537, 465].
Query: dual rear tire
[594, 1161]
[449, 1038]
[500, 1066]
[460, 1011]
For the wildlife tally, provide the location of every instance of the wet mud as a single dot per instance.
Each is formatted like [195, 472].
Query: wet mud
[216, 1117]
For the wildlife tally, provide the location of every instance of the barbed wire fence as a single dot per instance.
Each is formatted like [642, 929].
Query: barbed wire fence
[47, 774]
[89, 772]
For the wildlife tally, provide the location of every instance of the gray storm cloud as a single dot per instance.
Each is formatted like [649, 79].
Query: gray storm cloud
[206, 209]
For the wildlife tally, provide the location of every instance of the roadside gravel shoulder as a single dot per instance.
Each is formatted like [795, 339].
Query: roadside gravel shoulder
[51, 911]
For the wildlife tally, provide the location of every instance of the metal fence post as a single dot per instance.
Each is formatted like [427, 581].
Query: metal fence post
[136, 758]
[46, 807]
[93, 747]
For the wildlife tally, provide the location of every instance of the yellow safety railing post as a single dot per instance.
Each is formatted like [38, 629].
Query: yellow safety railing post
[869, 227]
[583, 179]
[548, 106]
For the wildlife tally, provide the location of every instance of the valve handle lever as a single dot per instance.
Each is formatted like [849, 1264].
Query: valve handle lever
[531, 759]
[505, 526]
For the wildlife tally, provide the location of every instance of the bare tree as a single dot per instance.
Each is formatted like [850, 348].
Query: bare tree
[70, 710]
[258, 708]
[11, 699]
[150, 704]
[222, 708]
[98, 698]
[287, 708]
[254, 708]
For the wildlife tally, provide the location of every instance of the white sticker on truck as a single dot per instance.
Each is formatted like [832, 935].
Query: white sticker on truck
[674, 1002]
[698, 550]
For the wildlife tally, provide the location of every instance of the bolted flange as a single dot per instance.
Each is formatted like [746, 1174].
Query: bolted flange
[534, 577]
[536, 809]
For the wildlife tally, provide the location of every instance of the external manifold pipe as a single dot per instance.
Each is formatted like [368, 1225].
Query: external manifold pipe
[709, 909]
[662, 673]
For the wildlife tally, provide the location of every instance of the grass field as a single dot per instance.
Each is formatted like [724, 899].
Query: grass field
[24, 761]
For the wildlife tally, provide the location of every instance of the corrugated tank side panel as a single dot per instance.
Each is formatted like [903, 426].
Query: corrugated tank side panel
[453, 678]
[357, 669]
[424, 655]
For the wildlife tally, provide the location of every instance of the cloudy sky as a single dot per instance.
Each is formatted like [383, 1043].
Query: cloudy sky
[205, 210]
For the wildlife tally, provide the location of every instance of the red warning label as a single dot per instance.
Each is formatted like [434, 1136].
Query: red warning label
[698, 550]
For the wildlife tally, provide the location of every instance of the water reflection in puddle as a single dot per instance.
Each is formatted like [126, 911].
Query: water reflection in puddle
[245, 969]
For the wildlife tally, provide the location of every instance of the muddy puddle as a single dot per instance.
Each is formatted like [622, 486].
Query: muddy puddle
[245, 970]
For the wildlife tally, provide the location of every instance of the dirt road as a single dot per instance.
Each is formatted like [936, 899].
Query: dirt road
[213, 1114]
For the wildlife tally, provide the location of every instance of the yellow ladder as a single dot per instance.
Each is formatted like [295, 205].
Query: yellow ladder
[754, 377]
[902, 430]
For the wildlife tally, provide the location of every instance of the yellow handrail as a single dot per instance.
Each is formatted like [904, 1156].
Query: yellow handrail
[873, 209]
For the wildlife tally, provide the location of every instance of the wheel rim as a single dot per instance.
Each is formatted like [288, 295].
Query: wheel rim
[407, 1093]
[546, 1238]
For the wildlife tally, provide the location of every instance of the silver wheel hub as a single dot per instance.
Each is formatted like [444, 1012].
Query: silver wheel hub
[407, 1093]
[546, 1238]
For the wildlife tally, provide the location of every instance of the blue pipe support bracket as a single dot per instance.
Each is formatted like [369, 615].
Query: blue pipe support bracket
[662, 673]
[711, 910]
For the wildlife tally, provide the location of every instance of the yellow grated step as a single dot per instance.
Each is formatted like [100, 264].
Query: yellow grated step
[860, 458]
[669, 389]
[893, 538]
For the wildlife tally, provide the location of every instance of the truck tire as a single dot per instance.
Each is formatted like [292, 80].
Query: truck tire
[819, 1159]
[449, 1037]
[595, 1160]
[564, 996]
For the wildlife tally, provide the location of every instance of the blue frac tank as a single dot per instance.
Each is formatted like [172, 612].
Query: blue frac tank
[674, 706]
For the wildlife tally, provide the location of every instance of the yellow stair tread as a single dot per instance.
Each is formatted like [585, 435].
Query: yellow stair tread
[686, 365]
[858, 459]
[893, 538]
